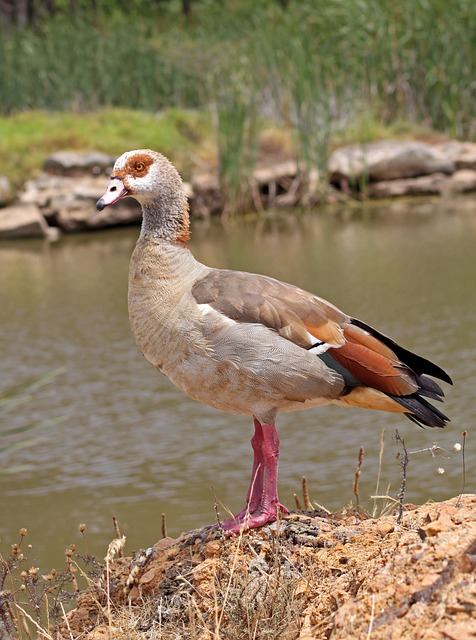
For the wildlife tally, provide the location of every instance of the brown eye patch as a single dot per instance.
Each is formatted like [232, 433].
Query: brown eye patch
[138, 165]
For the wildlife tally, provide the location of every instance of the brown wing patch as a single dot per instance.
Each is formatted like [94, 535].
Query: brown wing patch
[359, 336]
[375, 370]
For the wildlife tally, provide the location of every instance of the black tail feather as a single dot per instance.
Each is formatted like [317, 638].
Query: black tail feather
[421, 411]
[430, 388]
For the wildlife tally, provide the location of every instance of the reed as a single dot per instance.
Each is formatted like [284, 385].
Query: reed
[237, 124]
[88, 62]
[310, 68]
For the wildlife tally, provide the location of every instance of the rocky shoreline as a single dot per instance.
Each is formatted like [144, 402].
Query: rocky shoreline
[62, 198]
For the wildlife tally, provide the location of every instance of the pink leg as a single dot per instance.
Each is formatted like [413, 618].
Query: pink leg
[255, 490]
[262, 499]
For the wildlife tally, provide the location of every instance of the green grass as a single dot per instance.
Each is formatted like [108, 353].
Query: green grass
[26, 139]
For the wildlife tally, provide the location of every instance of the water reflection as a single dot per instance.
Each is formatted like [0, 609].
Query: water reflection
[132, 445]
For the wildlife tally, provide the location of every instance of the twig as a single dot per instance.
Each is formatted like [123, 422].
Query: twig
[66, 620]
[305, 495]
[298, 502]
[44, 633]
[69, 566]
[463, 488]
[380, 456]
[357, 476]
[387, 499]
[432, 450]
[195, 613]
[321, 507]
[405, 459]
[308, 505]
[228, 586]
[372, 617]
[118, 534]
[47, 610]
[115, 546]
[384, 497]
[164, 526]
[8, 612]
[108, 592]
[216, 504]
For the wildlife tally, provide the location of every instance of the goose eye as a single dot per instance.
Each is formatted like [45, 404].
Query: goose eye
[139, 166]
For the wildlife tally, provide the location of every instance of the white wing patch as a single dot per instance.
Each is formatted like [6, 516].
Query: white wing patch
[318, 346]
[208, 310]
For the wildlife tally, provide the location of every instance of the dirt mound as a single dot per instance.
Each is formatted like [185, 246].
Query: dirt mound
[310, 576]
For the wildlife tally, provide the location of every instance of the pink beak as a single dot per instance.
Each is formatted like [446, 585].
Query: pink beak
[114, 192]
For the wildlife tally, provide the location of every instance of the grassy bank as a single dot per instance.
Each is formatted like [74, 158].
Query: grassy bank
[26, 139]
[189, 138]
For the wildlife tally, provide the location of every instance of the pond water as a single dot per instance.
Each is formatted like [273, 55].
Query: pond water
[120, 439]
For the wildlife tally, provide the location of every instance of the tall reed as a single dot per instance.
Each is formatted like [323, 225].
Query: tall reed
[308, 67]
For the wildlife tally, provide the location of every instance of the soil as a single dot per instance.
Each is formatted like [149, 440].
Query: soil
[312, 575]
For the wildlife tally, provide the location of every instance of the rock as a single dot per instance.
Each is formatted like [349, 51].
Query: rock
[49, 191]
[105, 632]
[275, 173]
[433, 527]
[386, 160]
[24, 221]
[385, 527]
[66, 193]
[163, 543]
[435, 184]
[463, 154]
[421, 186]
[205, 195]
[461, 181]
[213, 549]
[81, 216]
[70, 202]
[74, 163]
[205, 571]
[7, 192]
[460, 630]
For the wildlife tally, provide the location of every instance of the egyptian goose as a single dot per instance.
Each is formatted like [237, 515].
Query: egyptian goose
[249, 344]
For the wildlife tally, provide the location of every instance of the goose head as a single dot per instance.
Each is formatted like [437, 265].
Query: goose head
[149, 178]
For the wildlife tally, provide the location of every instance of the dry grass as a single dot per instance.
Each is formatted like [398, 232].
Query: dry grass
[246, 592]
[30, 600]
